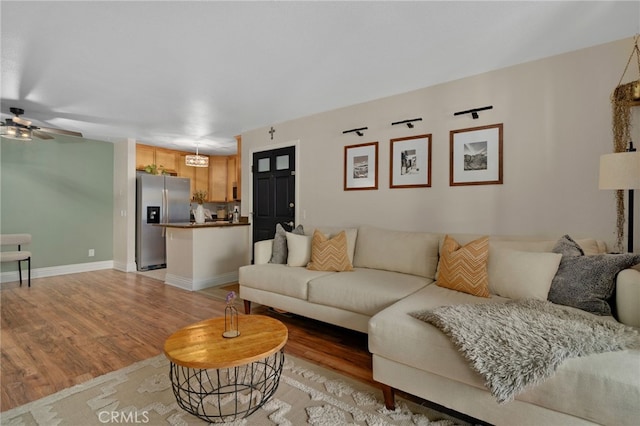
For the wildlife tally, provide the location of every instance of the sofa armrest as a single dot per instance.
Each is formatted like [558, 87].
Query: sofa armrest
[628, 297]
[262, 251]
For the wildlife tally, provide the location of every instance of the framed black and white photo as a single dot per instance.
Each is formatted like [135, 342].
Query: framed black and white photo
[475, 156]
[410, 160]
[361, 166]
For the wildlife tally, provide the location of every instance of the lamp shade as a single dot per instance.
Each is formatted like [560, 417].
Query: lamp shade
[620, 170]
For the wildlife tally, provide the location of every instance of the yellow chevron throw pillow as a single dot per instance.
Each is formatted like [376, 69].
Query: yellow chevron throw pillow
[329, 254]
[464, 268]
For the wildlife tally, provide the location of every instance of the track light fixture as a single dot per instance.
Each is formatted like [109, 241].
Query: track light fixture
[409, 123]
[357, 131]
[474, 111]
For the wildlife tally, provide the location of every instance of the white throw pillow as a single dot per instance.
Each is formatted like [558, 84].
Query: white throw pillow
[589, 246]
[299, 247]
[521, 274]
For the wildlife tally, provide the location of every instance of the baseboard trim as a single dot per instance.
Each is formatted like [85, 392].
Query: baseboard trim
[195, 285]
[124, 266]
[51, 271]
[178, 281]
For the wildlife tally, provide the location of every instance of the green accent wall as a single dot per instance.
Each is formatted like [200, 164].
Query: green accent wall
[61, 192]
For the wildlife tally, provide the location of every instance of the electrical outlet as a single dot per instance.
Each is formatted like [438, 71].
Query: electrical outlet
[92, 252]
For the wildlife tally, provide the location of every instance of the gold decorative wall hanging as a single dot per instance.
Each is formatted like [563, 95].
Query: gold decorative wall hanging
[624, 97]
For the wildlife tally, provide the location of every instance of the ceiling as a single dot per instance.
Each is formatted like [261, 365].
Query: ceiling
[185, 73]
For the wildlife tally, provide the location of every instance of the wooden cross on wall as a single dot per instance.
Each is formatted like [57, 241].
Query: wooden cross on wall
[272, 131]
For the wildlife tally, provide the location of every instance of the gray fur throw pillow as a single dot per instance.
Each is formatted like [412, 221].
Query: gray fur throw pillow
[280, 252]
[586, 282]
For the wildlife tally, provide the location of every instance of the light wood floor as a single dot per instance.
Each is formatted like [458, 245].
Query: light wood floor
[68, 329]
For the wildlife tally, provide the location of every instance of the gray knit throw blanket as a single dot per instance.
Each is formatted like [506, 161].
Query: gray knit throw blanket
[521, 343]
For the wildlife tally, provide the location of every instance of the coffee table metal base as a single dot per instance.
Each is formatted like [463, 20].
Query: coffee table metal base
[228, 394]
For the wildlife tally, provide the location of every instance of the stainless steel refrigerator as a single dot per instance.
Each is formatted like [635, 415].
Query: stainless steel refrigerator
[159, 199]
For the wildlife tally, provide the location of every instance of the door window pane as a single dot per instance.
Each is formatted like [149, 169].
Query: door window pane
[282, 162]
[263, 165]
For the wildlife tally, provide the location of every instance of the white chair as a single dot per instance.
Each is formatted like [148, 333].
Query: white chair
[16, 256]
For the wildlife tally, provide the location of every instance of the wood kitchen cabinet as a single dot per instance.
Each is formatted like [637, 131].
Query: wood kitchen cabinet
[201, 180]
[238, 172]
[199, 175]
[167, 159]
[232, 177]
[218, 178]
[186, 171]
[145, 156]
[164, 159]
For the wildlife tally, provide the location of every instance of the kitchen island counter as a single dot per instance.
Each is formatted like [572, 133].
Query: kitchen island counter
[201, 225]
[206, 255]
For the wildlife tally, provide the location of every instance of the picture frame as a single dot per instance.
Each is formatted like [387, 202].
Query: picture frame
[475, 156]
[361, 166]
[410, 162]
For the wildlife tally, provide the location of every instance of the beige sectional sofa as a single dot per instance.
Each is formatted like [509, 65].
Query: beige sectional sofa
[394, 276]
[347, 299]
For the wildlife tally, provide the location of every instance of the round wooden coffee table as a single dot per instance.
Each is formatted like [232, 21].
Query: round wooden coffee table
[219, 379]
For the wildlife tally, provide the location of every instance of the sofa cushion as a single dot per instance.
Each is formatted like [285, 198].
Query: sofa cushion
[587, 282]
[396, 335]
[588, 245]
[464, 268]
[299, 249]
[414, 253]
[329, 254]
[521, 274]
[281, 279]
[279, 251]
[520, 343]
[522, 245]
[365, 291]
[595, 387]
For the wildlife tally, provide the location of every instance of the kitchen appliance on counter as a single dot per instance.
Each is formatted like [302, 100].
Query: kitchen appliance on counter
[221, 214]
[159, 199]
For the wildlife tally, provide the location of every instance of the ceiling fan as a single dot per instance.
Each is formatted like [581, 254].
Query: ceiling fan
[21, 129]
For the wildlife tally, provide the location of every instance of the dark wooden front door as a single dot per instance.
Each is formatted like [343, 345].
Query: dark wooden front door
[274, 183]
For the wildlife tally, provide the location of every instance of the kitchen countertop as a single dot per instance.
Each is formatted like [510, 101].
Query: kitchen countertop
[201, 225]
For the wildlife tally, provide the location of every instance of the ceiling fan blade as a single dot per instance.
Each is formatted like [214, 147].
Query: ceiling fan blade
[21, 121]
[60, 131]
[41, 135]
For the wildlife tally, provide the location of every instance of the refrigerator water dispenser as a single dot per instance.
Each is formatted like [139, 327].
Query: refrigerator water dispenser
[153, 214]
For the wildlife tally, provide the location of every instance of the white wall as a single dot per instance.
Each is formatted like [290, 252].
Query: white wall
[124, 205]
[557, 122]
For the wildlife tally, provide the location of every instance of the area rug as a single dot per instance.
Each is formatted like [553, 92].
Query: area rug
[141, 394]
